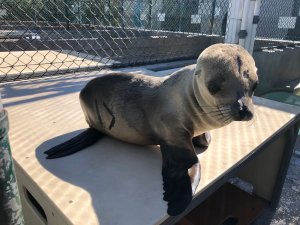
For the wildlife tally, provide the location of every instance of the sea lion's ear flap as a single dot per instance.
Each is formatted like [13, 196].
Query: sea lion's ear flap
[197, 71]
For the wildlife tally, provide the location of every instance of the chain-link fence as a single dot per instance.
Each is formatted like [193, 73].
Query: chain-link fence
[279, 23]
[43, 37]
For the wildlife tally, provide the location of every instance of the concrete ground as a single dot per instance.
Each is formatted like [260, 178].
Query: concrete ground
[288, 211]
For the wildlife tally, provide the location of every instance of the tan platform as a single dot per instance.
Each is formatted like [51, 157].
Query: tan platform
[114, 183]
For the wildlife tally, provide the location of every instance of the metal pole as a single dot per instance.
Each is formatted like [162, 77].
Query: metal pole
[122, 14]
[10, 203]
[243, 30]
[234, 21]
[149, 15]
[180, 18]
[79, 12]
[249, 27]
[109, 12]
[34, 11]
[137, 13]
[213, 8]
[67, 14]
[255, 22]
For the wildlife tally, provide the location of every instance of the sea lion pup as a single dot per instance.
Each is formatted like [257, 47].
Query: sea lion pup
[172, 112]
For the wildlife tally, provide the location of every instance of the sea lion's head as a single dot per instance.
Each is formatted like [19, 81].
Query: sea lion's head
[226, 78]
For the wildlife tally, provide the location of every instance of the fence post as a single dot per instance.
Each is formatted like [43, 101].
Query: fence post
[150, 15]
[122, 13]
[254, 25]
[249, 24]
[213, 8]
[10, 203]
[234, 21]
[247, 27]
[33, 4]
[109, 12]
[242, 23]
[66, 3]
[243, 29]
[180, 16]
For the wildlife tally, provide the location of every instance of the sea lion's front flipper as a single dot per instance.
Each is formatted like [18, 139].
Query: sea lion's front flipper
[176, 180]
[75, 144]
[195, 175]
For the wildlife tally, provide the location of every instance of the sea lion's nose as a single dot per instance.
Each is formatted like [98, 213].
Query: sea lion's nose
[244, 111]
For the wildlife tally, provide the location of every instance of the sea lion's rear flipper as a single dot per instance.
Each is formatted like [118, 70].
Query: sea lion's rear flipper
[77, 143]
[176, 180]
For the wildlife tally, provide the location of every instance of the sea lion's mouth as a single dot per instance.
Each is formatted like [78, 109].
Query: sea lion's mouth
[226, 115]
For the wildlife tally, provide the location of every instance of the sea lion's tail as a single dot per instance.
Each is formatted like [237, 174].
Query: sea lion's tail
[77, 143]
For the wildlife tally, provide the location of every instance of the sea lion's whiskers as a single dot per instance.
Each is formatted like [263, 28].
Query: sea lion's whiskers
[217, 112]
[215, 106]
[212, 114]
[208, 107]
[220, 108]
[225, 111]
[221, 116]
[227, 120]
[212, 107]
[224, 107]
[211, 111]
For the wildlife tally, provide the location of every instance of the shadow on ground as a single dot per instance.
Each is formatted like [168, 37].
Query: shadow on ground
[116, 175]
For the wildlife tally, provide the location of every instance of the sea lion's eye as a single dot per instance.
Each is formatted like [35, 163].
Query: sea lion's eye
[213, 88]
